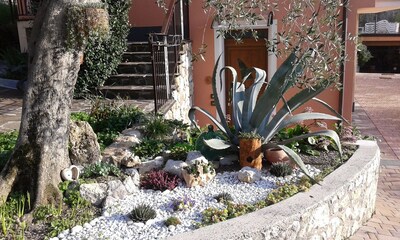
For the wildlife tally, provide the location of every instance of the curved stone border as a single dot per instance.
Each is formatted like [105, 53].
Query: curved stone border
[335, 209]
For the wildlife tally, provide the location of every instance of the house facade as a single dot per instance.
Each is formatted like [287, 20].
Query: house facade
[203, 31]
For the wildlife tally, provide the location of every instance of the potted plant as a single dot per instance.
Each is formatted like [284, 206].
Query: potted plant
[259, 114]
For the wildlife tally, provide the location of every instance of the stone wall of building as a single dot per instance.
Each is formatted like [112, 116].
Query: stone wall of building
[183, 92]
[335, 209]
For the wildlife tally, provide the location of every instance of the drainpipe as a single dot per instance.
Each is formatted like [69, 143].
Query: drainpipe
[342, 68]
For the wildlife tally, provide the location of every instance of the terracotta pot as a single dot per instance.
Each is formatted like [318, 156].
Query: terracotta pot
[275, 155]
[250, 153]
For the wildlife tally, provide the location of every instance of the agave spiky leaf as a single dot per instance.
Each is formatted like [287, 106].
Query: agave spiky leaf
[326, 105]
[218, 144]
[303, 117]
[269, 99]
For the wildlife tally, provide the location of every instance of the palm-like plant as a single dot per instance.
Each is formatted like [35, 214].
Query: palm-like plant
[256, 114]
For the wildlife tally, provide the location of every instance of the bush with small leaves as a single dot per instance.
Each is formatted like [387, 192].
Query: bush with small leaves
[159, 180]
[224, 197]
[172, 221]
[281, 169]
[142, 213]
[100, 169]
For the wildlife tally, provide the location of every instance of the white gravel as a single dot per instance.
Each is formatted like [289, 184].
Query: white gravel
[116, 224]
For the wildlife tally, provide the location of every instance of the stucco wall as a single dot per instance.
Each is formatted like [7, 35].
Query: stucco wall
[335, 209]
[183, 92]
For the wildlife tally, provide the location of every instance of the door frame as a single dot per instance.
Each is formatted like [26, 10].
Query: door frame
[219, 46]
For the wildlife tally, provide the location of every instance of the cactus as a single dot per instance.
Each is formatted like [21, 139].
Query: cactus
[224, 197]
[281, 169]
[142, 213]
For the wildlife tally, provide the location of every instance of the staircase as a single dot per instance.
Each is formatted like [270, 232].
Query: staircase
[134, 78]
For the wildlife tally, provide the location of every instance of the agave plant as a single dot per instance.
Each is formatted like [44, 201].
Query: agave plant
[256, 114]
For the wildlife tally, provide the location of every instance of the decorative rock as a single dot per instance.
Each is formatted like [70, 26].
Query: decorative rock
[127, 141]
[194, 156]
[228, 160]
[94, 192]
[70, 174]
[109, 201]
[132, 132]
[249, 175]
[196, 175]
[131, 171]
[131, 161]
[175, 167]
[156, 163]
[84, 148]
[115, 153]
[116, 189]
[132, 184]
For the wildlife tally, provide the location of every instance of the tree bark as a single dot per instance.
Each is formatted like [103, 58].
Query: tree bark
[41, 151]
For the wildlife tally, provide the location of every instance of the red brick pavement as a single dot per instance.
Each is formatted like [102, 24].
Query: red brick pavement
[377, 113]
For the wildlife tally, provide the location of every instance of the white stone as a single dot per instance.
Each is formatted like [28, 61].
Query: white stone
[131, 184]
[132, 132]
[87, 225]
[94, 192]
[76, 229]
[175, 167]
[156, 163]
[195, 156]
[249, 175]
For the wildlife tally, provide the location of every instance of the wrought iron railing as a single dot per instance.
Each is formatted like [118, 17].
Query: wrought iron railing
[165, 50]
[26, 9]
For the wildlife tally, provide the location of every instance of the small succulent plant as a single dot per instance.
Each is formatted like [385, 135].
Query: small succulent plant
[281, 169]
[142, 213]
[181, 204]
[224, 197]
[172, 221]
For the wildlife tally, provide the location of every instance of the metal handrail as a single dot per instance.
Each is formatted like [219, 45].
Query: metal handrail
[165, 50]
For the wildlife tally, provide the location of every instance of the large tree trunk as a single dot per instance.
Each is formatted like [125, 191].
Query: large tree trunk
[42, 147]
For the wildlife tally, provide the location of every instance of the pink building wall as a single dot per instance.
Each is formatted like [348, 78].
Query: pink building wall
[146, 13]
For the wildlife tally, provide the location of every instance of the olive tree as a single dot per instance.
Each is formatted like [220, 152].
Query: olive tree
[41, 151]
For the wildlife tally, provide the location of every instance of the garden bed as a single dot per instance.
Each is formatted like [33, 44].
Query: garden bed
[335, 209]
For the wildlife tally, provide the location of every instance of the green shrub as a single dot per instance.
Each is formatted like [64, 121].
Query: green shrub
[109, 118]
[281, 169]
[179, 151]
[7, 144]
[142, 213]
[101, 57]
[100, 169]
[149, 148]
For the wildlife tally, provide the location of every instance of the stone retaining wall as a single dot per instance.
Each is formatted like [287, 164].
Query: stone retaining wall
[183, 93]
[335, 209]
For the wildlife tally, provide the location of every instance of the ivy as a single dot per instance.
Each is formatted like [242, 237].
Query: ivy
[102, 56]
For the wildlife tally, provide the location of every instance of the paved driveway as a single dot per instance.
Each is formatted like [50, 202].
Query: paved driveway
[377, 113]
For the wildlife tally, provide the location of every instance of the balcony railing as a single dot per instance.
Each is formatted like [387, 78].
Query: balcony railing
[379, 27]
[165, 50]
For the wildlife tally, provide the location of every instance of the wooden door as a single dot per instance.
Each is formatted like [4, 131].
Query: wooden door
[253, 53]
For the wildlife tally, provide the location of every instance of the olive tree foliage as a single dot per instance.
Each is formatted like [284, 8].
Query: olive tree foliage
[312, 29]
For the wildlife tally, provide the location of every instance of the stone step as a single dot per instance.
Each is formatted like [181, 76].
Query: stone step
[135, 67]
[130, 79]
[136, 57]
[138, 47]
[127, 92]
